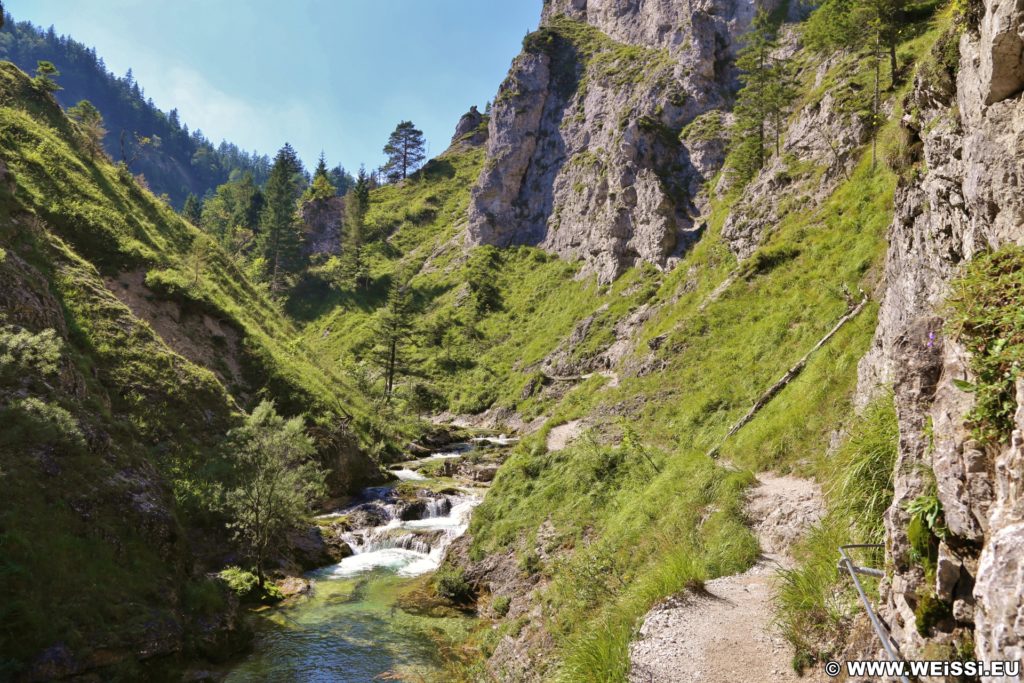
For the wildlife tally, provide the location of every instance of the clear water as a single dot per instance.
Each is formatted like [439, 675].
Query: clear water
[351, 628]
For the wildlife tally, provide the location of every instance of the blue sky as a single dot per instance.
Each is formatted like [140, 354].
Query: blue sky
[332, 75]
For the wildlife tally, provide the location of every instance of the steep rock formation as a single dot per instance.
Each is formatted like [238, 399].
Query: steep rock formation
[471, 128]
[321, 221]
[969, 121]
[585, 157]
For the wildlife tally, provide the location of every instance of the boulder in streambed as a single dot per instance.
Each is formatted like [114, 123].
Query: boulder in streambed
[311, 548]
[293, 585]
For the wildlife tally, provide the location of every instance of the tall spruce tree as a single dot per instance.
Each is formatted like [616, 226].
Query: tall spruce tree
[762, 101]
[781, 92]
[321, 186]
[193, 209]
[280, 229]
[357, 201]
[341, 179]
[405, 151]
[393, 328]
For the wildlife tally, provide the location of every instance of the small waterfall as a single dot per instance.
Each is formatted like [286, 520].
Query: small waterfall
[385, 538]
[438, 507]
[410, 547]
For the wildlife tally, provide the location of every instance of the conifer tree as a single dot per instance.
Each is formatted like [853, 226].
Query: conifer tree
[321, 187]
[405, 151]
[90, 121]
[357, 201]
[394, 325]
[280, 237]
[341, 179]
[762, 101]
[779, 96]
[45, 73]
[192, 211]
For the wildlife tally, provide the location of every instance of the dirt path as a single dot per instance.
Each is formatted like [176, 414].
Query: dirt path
[561, 436]
[727, 634]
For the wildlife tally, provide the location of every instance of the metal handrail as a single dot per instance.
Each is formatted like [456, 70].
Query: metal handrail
[883, 634]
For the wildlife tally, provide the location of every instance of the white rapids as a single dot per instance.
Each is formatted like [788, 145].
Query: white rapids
[407, 547]
[500, 440]
[406, 474]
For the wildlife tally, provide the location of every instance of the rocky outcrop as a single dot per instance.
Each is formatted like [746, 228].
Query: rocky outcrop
[321, 222]
[315, 546]
[584, 156]
[471, 128]
[1000, 59]
[1000, 573]
[968, 120]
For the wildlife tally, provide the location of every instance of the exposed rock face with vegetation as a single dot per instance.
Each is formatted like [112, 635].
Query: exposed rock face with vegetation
[962, 127]
[955, 147]
[585, 156]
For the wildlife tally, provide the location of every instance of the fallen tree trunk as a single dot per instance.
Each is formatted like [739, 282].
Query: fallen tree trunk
[790, 375]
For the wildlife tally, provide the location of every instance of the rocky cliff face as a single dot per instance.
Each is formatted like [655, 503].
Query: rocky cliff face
[585, 155]
[321, 220]
[967, 117]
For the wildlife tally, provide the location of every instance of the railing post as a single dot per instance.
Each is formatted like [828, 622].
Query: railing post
[883, 634]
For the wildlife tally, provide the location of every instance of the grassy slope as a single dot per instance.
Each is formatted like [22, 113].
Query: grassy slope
[101, 478]
[719, 361]
[653, 531]
[117, 226]
[481, 360]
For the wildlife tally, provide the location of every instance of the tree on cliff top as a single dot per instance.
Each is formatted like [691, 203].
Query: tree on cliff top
[321, 187]
[405, 150]
[276, 482]
[90, 121]
[45, 73]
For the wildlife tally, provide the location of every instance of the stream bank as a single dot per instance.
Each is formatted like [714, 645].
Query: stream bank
[359, 619]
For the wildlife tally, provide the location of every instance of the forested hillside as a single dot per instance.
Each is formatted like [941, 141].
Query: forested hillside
[155, 144]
